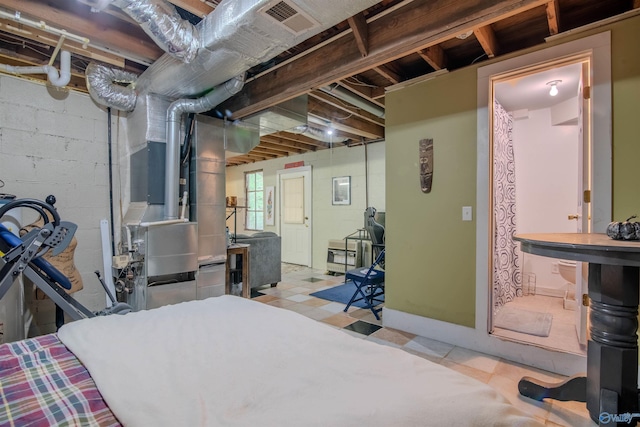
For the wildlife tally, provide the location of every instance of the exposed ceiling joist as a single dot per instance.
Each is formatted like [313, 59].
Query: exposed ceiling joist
[487, 39]
[286, 142]
[103, 30]
[386, 72]
[197, 7]
[553, 17]
[358, 25]
[344, 121]
[424, 24]
[345, 107]
[51, 40]
[434, 56]
[285, 149]
[369, 93]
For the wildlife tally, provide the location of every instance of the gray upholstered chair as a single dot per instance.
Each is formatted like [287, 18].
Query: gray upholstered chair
[265, 257]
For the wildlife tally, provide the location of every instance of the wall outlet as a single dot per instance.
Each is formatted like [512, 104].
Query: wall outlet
[467, 213]
[555, 268]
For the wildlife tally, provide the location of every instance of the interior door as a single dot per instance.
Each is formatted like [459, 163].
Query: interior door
[295, 215]
[584, 197]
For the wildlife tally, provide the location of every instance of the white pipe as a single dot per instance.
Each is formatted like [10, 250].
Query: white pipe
[185, 198]
[42, 26]
[163, 222]
[57, 79]
[62, 79]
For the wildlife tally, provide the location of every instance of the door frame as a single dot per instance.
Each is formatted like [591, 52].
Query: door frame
[308, 190]
[598, 47]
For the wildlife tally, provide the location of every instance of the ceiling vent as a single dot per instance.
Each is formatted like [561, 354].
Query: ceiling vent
[290, 17]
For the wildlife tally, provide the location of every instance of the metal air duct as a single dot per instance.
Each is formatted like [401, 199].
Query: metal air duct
[174, 117]
[160, 20]
[240, 34]
[105, 87]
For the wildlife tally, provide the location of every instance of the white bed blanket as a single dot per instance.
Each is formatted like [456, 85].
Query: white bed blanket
[229, 361]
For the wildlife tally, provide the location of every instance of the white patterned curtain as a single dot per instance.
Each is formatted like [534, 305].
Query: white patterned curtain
[507, 277]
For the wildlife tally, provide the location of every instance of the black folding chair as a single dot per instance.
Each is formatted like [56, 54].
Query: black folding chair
[369, 285]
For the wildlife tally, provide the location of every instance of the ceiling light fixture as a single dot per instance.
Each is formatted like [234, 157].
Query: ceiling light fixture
[554, 87]
[464, 35]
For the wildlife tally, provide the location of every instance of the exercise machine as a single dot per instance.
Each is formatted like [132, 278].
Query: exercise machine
[24, 255]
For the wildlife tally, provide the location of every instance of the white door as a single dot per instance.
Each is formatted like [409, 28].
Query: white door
[295, 215]
[584, 197]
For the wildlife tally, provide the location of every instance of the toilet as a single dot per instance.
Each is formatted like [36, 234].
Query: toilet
[567, 270]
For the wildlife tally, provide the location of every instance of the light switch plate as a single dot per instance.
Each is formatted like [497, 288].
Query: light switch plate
[467, 213]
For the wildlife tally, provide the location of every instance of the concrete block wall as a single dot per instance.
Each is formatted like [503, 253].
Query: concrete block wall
[54, 141]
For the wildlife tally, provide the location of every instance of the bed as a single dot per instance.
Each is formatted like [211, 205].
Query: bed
[229, 361]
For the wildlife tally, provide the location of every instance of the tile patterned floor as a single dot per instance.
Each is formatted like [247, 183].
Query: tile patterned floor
[293, 294]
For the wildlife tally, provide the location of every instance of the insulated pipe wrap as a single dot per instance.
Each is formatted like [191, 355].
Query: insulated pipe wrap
[105, 87]
[160, 20]
[174, 116]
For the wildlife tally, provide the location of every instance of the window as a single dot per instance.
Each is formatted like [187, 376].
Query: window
[255, 201]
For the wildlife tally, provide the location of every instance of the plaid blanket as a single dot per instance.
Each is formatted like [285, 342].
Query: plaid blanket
[43, 384]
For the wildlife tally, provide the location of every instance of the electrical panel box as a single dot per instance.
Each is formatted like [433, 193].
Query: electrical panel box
[343, 256]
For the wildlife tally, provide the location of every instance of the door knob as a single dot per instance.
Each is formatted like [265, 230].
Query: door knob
[573, 217]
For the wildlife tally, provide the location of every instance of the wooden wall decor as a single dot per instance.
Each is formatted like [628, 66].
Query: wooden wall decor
[426, 164]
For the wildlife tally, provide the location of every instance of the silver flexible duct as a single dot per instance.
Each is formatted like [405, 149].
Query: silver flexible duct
[105, 87]
[177, 108]
[317, 134]
[160, 20]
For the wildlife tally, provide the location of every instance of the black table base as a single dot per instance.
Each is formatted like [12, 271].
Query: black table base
[610, 388]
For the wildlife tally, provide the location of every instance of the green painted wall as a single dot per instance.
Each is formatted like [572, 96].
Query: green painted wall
[625, 70]
[431, 256]
[431, 261]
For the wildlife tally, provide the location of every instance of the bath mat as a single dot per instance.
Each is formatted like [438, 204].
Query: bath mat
[525, 321]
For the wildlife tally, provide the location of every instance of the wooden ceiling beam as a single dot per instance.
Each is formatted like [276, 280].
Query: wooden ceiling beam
[52, 40]
[258, 152]
[346, 107]
[487, 39]
[267, 151]
[286, 142]
[369, 93]
[553, 17]
[434, 56]
[197, 7]
[104, 31]
[360, 30]
[294, 137]
[285, 149]
[408, 29]
[386, 72]
[339, 121]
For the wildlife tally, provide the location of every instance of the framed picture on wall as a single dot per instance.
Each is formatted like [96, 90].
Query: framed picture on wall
[270, 200]
[341, 190]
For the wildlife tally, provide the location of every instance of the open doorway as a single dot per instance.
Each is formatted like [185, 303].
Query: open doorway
[540, 151]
